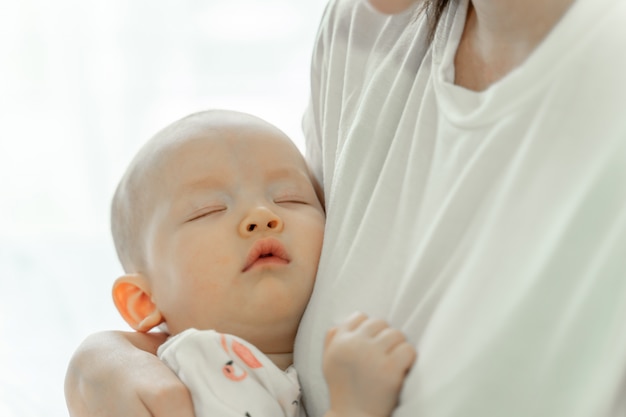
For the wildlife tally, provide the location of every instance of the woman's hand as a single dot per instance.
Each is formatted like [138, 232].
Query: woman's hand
[116, 374]
[365, 363]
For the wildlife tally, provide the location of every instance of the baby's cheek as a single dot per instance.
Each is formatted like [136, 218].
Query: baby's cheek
[225, 260]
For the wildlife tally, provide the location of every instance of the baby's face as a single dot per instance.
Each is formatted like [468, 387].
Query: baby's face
[235, 235]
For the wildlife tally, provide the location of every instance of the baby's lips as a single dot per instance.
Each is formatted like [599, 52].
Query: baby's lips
[266, 247]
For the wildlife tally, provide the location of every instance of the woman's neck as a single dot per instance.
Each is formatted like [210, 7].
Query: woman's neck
[499, 35]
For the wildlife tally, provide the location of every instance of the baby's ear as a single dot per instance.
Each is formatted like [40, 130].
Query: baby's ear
[133, 299]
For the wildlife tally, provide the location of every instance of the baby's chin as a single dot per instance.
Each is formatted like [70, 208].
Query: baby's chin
[271, 340]
[268, 338]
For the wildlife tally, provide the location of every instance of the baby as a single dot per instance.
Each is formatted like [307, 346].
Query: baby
[218, 225]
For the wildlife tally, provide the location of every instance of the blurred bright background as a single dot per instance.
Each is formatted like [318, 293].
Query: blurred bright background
[83, 84]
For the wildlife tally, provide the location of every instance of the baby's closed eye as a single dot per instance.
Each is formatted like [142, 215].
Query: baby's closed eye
[204, 212]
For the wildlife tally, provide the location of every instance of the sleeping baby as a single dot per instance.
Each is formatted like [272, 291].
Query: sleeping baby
[218, 225]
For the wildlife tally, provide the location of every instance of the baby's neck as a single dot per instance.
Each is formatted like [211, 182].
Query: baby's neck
[282, 360]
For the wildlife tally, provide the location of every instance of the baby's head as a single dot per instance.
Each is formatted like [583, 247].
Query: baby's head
[218, 225]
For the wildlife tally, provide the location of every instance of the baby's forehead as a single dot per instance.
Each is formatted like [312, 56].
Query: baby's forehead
[230, 144]
[225, 131]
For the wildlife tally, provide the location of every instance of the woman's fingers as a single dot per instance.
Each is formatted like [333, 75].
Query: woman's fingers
[117, 374]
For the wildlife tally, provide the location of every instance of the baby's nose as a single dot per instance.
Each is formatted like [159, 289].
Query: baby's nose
[260, 219]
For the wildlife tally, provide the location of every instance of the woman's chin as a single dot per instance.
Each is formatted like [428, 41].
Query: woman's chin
[391, 6]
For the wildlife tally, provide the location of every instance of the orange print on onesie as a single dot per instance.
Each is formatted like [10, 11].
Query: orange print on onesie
[244, 354]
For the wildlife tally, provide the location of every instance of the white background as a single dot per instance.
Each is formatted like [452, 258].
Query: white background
[83, 83]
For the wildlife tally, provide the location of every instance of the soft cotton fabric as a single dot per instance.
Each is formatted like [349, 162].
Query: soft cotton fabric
[228, 376]
[489, 226]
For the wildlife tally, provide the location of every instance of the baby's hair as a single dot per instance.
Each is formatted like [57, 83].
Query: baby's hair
[128, 216]
[132, 199]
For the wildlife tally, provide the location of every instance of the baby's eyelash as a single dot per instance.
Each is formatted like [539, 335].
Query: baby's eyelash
[205, 212]
[291, 200]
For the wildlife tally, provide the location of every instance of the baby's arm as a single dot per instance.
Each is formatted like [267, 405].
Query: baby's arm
[365, 362]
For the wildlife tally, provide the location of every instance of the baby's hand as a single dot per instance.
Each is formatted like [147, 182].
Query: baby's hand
[365, 362]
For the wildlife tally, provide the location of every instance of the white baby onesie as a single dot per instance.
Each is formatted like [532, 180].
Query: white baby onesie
[228, 376]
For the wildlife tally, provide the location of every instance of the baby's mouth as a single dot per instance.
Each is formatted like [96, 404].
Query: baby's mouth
[267, 251]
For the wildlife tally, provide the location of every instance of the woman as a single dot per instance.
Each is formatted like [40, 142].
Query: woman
[473, 158]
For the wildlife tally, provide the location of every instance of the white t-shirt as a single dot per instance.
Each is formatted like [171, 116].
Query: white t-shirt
[489, 226]
[228, 376]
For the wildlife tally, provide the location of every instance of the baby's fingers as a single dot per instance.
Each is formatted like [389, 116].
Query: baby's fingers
[354, 321]
[330, 335]
[389, 338]
[403, 356]
[371, 328]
